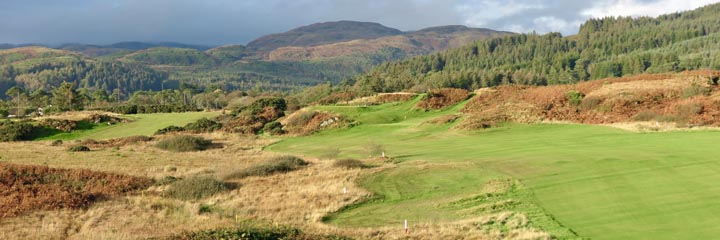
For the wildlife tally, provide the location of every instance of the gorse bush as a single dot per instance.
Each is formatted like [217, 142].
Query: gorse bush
[79, 148]
[203, 125]
[15, 131]
[169, 129]
[281, 164]
[184, 143]
[349, 163]
[196, 188]
[273, 128]
[575, 98]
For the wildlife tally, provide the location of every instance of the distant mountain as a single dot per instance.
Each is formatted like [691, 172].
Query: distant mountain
[172, 56]
[420, 42]
[307, 55]
[323, 33]
[146, 45]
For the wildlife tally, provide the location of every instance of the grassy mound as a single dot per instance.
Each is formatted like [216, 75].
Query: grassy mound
[184, 143]
[281, 164]
[28, 188]
[196, 188]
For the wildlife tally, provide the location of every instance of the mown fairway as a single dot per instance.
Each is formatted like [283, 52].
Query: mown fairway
[601, 182]
[142, 124]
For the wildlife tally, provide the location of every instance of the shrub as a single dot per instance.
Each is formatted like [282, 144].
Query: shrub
[27, 188]
[79, 148]
[349, 163]
[273, 128]
[300, 119]
[590, 103]
[184, 143]
[203, 125]
[59, 124]
[196, 188]
[574, 97]
[394, 97]
[169, 130]
[281, 164]
[56, 143]
[442, 98]
[646, 115]
[253, 232]
[336, 98]
[695, 90]
[15, 131]
[690, 109]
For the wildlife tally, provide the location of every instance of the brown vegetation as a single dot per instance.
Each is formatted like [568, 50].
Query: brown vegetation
[306, 122]
[394, 97]
[28, 188]
[442, 98]
[688, 97]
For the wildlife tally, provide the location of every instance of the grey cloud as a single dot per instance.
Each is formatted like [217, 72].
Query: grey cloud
[229, 21]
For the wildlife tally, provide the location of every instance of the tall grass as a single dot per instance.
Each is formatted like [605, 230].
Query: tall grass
[184, 143]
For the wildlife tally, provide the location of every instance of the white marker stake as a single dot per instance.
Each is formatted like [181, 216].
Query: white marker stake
[344, 190]
[406, 227]
[383, 155]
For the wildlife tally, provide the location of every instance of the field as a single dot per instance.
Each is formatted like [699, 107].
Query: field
[589, 181]
[142, 124]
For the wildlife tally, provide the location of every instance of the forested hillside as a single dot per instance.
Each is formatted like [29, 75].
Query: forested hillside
[603, 48]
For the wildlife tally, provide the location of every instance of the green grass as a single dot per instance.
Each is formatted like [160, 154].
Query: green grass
[599, 182]
[142, 124]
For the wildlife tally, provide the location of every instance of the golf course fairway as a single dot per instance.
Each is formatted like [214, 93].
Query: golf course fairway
[569, 180]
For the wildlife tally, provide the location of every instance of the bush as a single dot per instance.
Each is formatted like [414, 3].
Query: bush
[196, 188]
[394, 97]
[349, 163]
[184, 143]
[135, 109]
[203, 125]
[575, 98]
[695, 90]
[690, 109]
[79, 148]
[59, 124]
[56, 143]
[169, 130]
[15, 131]
[281, 164]
[253, 232]
[590, 103]
[273, 128]
[442, 98]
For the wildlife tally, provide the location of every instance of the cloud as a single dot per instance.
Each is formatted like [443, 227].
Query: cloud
[637, 8]
[219, 22]
[482, 12]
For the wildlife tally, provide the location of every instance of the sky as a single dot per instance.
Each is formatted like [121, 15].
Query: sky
[222, 22]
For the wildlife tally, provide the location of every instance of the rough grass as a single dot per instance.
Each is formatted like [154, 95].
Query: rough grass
[282, 164]
[349, 163]
[184, 143]
[196, 188]
[28, 188]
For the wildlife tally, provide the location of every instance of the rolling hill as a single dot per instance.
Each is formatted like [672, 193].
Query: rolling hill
[323, 33]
